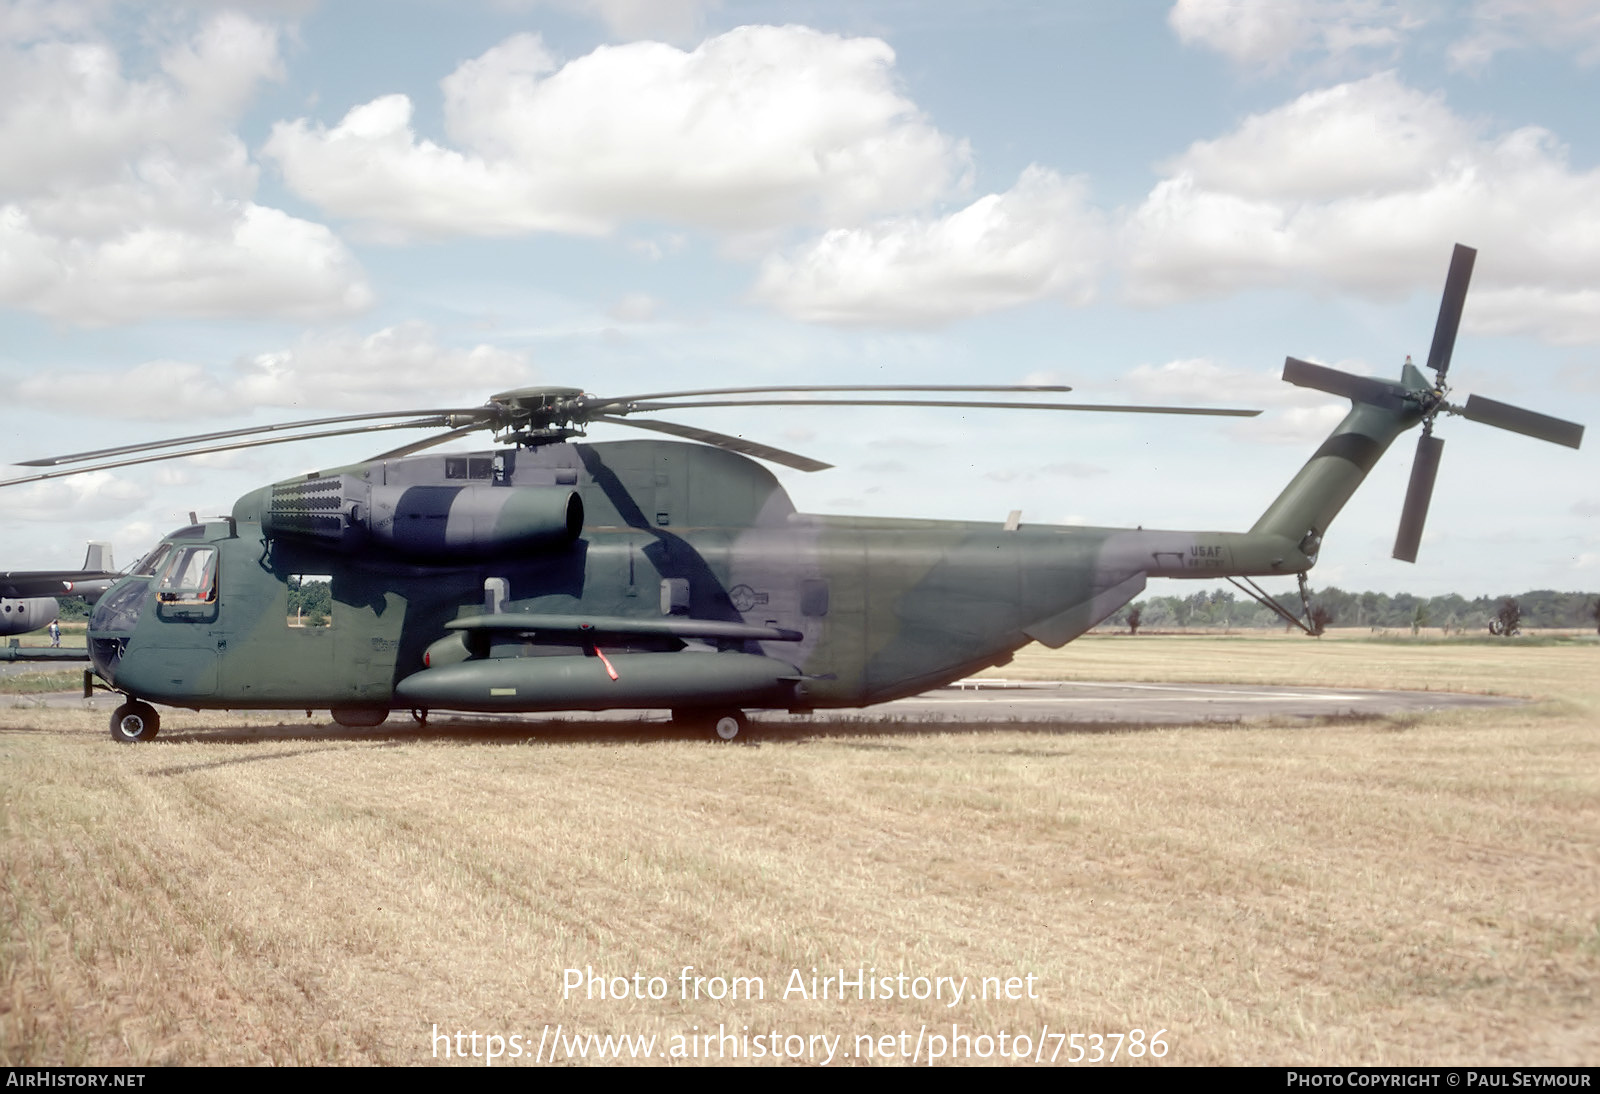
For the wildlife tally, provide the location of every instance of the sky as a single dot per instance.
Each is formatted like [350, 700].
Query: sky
[214, 216]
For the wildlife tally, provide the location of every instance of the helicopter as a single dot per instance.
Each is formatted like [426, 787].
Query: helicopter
[546, 574]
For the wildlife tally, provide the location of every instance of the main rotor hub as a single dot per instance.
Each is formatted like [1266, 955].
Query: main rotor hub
[540, 414]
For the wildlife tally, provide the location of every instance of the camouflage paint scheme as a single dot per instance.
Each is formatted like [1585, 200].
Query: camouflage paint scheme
[673, 536]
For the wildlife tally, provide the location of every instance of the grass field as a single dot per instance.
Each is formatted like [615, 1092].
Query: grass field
[1422, 891]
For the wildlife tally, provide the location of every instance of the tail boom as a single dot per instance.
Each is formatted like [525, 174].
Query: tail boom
[1315, 496]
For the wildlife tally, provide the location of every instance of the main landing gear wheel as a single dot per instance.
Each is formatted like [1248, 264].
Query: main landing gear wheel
[729, 724]
[726, 724]
[360, 717]
[135, 720]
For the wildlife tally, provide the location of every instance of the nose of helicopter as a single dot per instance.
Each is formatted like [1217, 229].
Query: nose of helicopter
[115, 616]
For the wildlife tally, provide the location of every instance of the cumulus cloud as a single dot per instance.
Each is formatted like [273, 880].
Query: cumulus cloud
[1344, 141]
[668, 20]
[1270, 34]
[1557, 25]
[1562, 317]
[403, 362]
[33, 20]
[635, 308]
[1296, 415]
[756, 129]
[93, 497]
[390, 367]
[1364, 187]
[1040, 239]
[135, 197]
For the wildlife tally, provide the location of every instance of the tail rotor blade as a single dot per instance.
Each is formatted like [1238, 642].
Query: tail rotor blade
[1360, 388]
[1455, 298]
[1424, 469]
[1527, 422]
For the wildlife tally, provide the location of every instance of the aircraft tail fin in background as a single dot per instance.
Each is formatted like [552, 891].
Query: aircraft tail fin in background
[97, 574]
[98, 557]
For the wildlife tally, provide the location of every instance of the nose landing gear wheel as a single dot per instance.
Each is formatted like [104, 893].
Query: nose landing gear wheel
[133, 721]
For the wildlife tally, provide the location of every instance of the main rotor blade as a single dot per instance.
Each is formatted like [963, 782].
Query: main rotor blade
[619, 399]
[421, 424]
[426, 443]
[1527, 422]
[1223, 412]
[479, 412]
[1455, 298]
[1363, 389]
[722, 440]
[1424, 470]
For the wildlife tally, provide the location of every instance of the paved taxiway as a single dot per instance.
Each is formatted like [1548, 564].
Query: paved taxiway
[1158, 704]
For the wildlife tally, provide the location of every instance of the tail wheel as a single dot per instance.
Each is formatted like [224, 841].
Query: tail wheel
[134, 721]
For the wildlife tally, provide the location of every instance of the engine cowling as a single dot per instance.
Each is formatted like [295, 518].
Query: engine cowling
[431, 522]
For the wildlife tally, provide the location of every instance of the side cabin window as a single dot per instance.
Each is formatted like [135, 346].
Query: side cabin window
[468, 467]
[187, 587]
[310, 600]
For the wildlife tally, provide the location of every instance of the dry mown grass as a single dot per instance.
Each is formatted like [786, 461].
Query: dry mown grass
[240, 892]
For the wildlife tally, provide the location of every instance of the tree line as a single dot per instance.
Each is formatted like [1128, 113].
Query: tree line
[1338, 608]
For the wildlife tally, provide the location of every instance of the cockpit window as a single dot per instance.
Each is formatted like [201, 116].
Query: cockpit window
[153, 561]
[190, 576]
